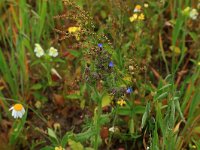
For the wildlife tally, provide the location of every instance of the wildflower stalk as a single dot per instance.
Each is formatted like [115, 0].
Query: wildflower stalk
[97, 122]
[113, 124]
[98, 126]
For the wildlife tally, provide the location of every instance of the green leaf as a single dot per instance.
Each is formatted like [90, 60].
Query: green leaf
[162, 96]
[75, 145]
[65, 138]
[193, 35]
[106, 100]
[52, 134]
[131, 126]
[75, 53]
[104, 119]
[89, 148]
[47, 148]
[125, 111]
[73, 96]
[37, 86]
[145, 115]
[84, 135]
[138, 109]
[165, 87]
[179, 109]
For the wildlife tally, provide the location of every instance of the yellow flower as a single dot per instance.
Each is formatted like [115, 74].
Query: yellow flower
[198, 63]
[74, 29]
[133, 17]
[137, 8]
[175, 49]
[194, 146]
[121, 102]
[59, 148]
[77, 37]
[141, 16]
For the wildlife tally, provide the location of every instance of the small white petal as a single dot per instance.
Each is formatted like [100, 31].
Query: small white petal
[15, 114]
[136, 10]
[11, 108]
[23, 111]
[18, 114]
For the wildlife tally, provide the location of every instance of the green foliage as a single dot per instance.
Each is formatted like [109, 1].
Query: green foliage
[86, 96]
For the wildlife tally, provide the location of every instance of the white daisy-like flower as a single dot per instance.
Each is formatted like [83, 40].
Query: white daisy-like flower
[53, 52]
[17, 111]
[193, 14]
[137, 9]
[39, 52]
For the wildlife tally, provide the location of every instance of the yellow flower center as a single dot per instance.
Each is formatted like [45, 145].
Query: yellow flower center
[138, 7]
[18, 107]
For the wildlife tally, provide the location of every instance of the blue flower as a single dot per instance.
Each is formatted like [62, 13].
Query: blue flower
[111, 64]
[129, 90]
[100, 45]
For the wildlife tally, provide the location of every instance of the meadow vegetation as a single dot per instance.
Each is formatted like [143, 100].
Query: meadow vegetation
[99, 74]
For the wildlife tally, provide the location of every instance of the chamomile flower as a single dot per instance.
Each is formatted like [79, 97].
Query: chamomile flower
[121, 102]
[137, 8]
[193, 14]
[39, 52]
[17, 111]
[53, 52]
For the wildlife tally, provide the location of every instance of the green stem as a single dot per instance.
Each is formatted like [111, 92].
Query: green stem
[97, 123]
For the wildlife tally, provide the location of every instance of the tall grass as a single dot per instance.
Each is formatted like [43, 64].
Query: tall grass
[163, 110]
